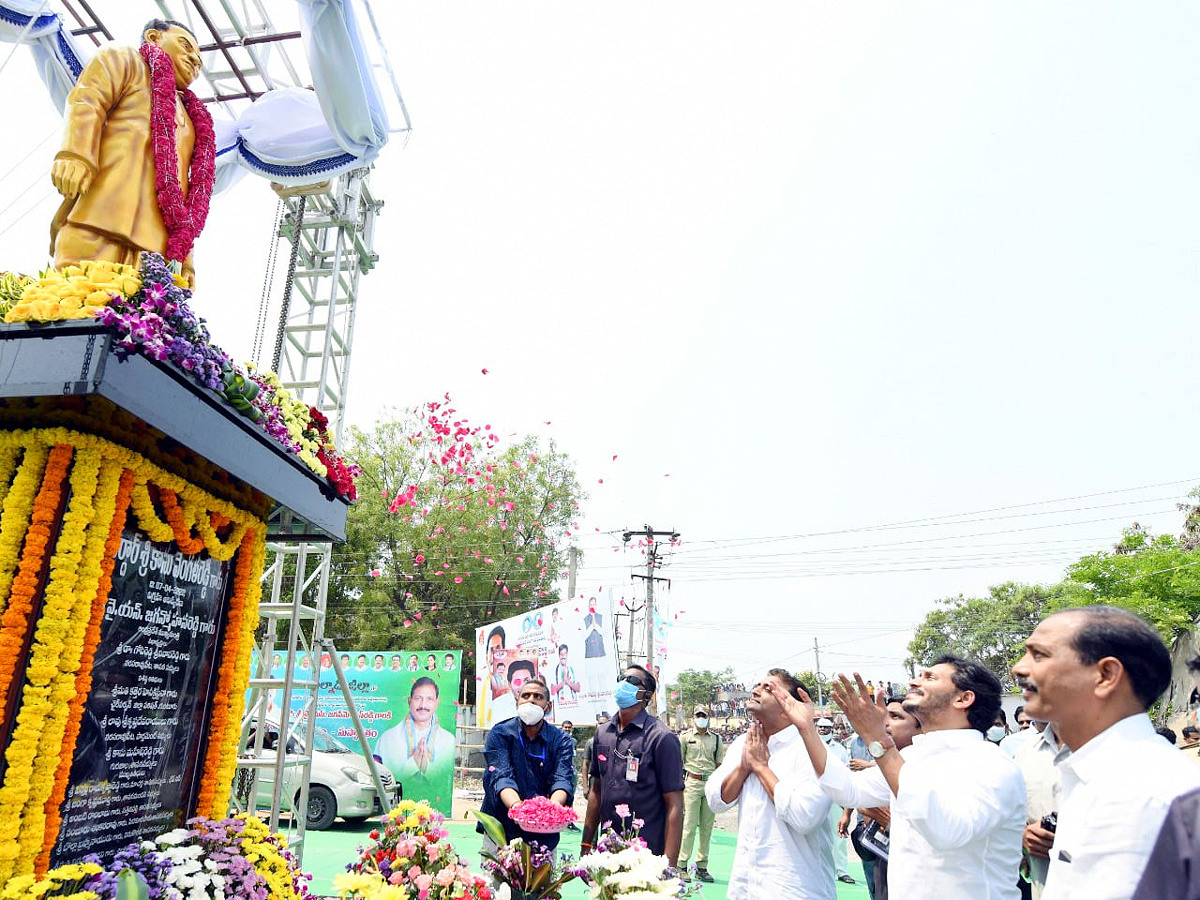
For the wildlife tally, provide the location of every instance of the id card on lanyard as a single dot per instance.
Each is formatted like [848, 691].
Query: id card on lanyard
[631, 768]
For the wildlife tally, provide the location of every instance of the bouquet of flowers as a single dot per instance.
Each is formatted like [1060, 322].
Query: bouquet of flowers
[540, 815]
[409, 858]
[62, 881]
[527, 869]
[622, 864]
[212, 859]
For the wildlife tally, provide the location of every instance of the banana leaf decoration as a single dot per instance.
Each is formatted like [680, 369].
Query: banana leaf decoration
[240, 391]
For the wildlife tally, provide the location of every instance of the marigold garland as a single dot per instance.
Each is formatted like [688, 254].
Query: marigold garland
[14, 520]
[108, 484]
[58, 639]
[83, 678]
[14, 623]
[233, 677]
[181, 522]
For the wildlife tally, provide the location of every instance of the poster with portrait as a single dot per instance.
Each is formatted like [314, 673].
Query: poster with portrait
[407, 702]
[570, 643]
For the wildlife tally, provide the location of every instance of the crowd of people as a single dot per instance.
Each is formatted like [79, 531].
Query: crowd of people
[941, 797]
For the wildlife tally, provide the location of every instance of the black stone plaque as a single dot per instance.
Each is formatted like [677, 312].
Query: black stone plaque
[136, 766]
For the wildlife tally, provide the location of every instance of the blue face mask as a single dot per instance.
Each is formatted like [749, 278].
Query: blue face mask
[625, 694]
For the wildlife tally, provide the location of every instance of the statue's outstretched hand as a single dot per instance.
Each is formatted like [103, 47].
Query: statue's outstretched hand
[71, 177]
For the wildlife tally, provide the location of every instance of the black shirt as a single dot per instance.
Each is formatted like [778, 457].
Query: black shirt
[659, 771]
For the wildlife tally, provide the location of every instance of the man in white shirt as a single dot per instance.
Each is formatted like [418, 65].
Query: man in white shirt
[1092, 672]
[1027, 733]
[958, 803]
[1043, 790]
[784, 846]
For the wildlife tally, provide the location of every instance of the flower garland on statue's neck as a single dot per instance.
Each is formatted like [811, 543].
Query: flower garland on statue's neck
[184, 218]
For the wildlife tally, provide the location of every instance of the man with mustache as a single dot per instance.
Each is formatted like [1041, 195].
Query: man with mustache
[958, 810]
[1092, 672]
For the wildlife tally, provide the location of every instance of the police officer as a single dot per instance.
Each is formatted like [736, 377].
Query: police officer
[702, 751]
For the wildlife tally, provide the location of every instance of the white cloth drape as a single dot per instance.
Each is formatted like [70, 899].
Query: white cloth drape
[290, 135]
[58, 56]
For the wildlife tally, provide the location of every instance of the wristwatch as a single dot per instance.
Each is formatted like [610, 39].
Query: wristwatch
[876, 749]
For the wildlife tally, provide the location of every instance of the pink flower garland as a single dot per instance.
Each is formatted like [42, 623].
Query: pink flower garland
[184, 218]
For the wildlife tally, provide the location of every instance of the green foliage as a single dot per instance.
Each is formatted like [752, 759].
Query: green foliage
[450, 531]
[1153, 576]
[811, 680]
[698, 686]
[990, 630]
[1157, 577]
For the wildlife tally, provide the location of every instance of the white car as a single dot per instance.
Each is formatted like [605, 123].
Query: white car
[340, 782]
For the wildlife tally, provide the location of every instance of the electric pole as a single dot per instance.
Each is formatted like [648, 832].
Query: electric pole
[817, 654]
[651, 565]
[572, 571]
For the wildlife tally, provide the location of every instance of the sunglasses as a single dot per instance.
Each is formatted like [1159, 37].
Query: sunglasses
[632, 679]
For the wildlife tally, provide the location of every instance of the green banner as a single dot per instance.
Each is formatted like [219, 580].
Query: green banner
[407, 701]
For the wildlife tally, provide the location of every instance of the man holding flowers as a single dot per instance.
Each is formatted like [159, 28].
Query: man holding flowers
[527, 757]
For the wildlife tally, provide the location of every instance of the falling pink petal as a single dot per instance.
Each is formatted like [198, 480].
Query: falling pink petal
[614, 457]
[485, 371]
[601, 480]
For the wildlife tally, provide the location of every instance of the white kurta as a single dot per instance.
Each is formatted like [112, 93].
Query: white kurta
[1116, 789]
[956, 822]
[783, 847]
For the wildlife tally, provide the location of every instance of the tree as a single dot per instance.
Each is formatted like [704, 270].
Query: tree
[1156, 577]
[451, 531]
[811, 680]
[698, 686]
[990, 630]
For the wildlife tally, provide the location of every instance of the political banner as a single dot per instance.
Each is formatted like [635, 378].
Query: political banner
[571, 644]
[406, 701]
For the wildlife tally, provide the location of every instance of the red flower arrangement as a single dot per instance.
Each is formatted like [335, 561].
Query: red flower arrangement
[184, 218]
[340, 472]
[540, 815]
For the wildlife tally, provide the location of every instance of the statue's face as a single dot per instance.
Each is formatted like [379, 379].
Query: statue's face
[181, 46]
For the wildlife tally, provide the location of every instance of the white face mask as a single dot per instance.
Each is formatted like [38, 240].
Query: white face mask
[827, 737]
[995, 733]
[530, 713]
[701, 722]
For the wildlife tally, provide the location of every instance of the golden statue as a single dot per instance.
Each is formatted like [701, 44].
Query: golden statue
[136, 164]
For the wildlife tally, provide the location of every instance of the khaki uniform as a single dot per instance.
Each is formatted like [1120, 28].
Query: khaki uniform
[702, 753]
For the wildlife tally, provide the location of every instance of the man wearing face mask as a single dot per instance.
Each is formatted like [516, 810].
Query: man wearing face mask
[636, 763]
[527, 757]
[703, 751]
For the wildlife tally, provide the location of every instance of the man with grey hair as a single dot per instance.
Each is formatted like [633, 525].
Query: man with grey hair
[1092, 672]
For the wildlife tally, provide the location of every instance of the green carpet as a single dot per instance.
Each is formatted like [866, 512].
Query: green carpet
[328, 852]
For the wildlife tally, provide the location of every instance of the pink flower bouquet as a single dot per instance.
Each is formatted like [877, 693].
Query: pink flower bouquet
[539, 815]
